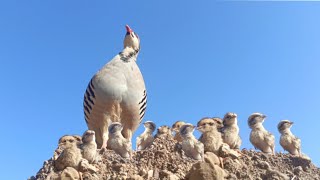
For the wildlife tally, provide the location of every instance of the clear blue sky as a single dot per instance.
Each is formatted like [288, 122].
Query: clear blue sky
[198, 59]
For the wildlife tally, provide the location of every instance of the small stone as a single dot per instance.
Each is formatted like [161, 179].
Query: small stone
[150, 174]
[69, 173]
[204, 171]
[156, 174]
[263, 165]
[297, 170]
[84, 166]
[211, 158]
[135, 177]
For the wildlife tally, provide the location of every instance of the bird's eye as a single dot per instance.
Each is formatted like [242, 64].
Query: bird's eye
[211, 124]
[71, 140]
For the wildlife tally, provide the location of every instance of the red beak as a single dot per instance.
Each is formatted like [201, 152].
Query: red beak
[129, 30]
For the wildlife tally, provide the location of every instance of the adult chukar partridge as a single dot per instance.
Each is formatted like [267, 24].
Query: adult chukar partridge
[117, 93]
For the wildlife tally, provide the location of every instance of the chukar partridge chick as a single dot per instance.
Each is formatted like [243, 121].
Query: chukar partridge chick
[117, 93]
[210, 137]
[117, 142]
[190, 145]
[62, 144]
[164, 132]
[288, 141]
[230, 131]
[146, 138]
[176, 128]
[259, 137]
[219, 123]
[69, 157]
[89, 146]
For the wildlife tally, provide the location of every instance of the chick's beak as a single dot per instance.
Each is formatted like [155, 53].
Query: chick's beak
[291, 123]
[129, 30]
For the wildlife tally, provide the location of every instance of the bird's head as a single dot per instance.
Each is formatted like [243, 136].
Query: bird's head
[206, 125]
[88, 136]
[164, 130]
[150, 125]
[186, 129]
[229, 119]
[218, 121]
[177, 125]
[255, 119]
[284, 125]
[131, 40]
[115, 127]
[66, 139]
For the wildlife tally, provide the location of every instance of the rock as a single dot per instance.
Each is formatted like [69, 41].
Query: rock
[276, 175]
[263, 165]
[53, 176]
[205, 171]
[69, 173]
[212, 158]
[164, 159]
[225, 151]
[150, 174]
[89, 176]
[135, 177]
[84, 166]
[156, 174]
[297, 170]
[168, 175]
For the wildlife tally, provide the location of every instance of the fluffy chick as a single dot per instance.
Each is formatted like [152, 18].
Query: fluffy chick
[89, 146]
[288, 141]
[164, 132]
[190, 145]
[259, 137]
[175, 128]
[146, 138]
[69, 157]
[210, 137]
[219, 123]
[117, 142]
[230, 131]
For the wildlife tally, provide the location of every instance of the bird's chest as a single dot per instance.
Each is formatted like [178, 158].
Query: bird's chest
[257, 136]
[286, 141]
[230, 135]
[187, 144]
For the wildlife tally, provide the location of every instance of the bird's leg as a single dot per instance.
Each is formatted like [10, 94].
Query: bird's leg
[202, 156]
[221, 162]
[299, 152]
[105, 137]
[130, 155]
[273, 151]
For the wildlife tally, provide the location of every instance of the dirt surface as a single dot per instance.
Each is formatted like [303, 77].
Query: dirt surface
[257, 165]
[165, 160]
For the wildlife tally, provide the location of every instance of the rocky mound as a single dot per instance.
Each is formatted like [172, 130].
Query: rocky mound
[165, 160]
